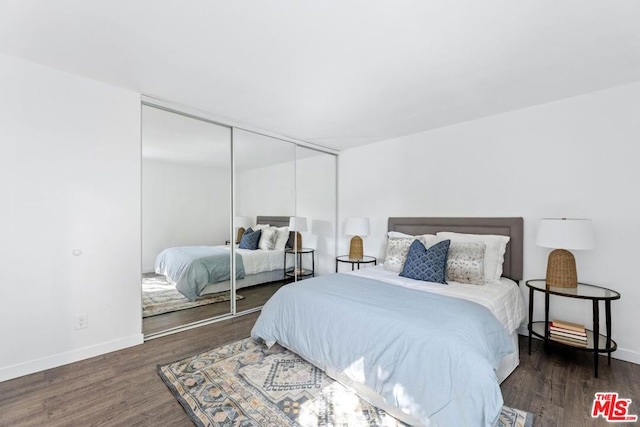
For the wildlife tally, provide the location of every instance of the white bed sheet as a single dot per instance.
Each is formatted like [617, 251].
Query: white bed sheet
[503, 298]
[261, 260]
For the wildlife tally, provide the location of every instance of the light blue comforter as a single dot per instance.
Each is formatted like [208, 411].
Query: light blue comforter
[432, 356]
[192, 268]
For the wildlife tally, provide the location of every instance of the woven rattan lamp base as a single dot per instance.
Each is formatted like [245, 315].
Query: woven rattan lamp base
[561, 269]
[356, 250]
[298, 241]
[240, 234]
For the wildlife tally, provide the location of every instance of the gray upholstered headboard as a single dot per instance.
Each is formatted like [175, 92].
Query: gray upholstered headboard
[508, 226]
[276, 221]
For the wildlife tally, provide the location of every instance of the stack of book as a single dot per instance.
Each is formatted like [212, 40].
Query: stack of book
[568, 333]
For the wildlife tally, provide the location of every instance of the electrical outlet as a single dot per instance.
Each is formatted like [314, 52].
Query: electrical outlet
[82, 321]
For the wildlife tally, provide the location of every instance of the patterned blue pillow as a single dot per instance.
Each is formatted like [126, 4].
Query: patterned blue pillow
[425, 264]
[250, 239]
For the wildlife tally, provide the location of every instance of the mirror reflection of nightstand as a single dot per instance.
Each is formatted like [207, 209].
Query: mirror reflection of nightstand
[298, 271]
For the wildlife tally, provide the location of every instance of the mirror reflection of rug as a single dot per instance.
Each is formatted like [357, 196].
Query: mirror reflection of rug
[160, 296]
[246, 384]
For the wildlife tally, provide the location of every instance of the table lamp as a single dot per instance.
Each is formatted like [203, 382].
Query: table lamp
[297, 224]
[561, 234]
[242, 222]
[356, 227]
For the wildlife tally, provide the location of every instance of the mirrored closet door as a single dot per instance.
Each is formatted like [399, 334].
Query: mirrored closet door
[264, 197]
[186, 220]
[316, 201]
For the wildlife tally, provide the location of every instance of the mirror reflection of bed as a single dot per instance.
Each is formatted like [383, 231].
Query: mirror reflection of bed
[260, 275]
[186, 193]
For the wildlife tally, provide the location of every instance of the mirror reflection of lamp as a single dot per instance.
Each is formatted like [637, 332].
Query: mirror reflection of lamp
[561, 234]
[297, 224]
[356, 227]
[241, 222]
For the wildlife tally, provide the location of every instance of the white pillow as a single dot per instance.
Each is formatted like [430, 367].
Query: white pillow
[283, 237]
[398, 247]
[496, 246]
[268, 239]
[428, 239]
[260, 227]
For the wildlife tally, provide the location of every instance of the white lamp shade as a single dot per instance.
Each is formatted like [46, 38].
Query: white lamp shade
[297, 223]
[242, 221]
[358, 226]
[565, 233]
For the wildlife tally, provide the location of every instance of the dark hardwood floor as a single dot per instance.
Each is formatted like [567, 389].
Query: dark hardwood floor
[558, 385]
[116, 389]
[254, 296]
[123, 388]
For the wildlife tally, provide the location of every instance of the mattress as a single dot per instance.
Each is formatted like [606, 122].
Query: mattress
[503, 298]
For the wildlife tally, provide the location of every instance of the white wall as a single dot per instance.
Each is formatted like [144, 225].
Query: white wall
[183, 205]
[572, 158]
[69, 179]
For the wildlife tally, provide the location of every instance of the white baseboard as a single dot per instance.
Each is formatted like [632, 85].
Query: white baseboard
[37, 365]
[626, 355]
[620, 354]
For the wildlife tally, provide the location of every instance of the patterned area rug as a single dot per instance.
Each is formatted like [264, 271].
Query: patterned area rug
[246, 384]
[160, 296]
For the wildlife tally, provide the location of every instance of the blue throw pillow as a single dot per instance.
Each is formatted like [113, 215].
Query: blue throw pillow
[250, 239]
[247, 231]
[425, 264]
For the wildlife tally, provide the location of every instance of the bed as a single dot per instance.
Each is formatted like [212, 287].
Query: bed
[202, 270]
[428, 354]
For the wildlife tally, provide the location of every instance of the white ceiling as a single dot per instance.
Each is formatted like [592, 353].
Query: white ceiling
[336, 73]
